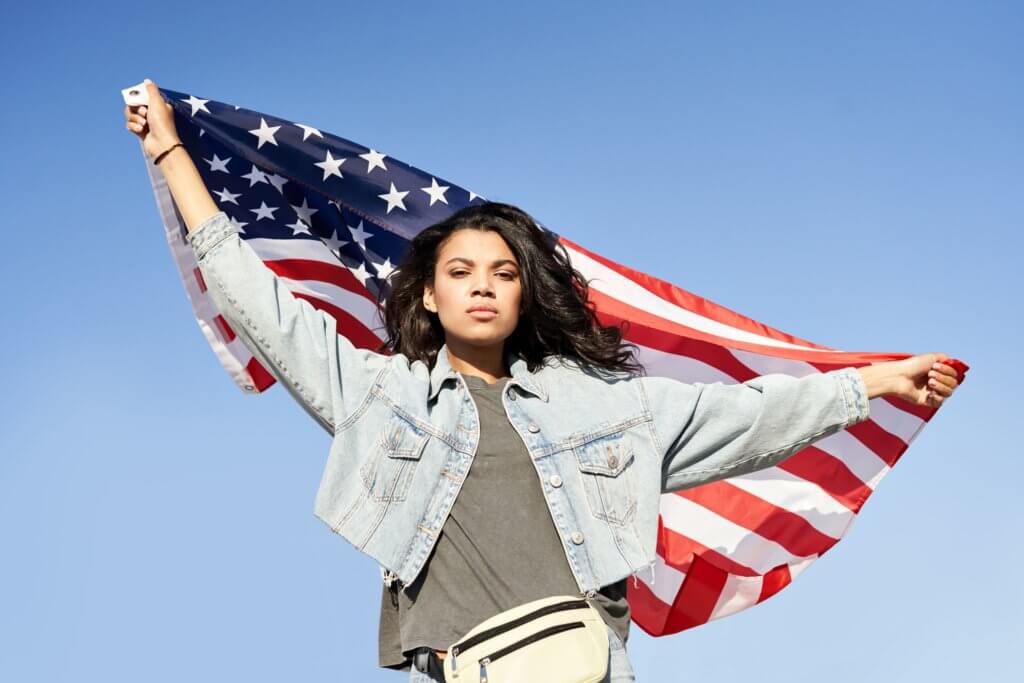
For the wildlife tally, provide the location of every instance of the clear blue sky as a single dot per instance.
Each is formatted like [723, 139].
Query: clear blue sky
[850, 173]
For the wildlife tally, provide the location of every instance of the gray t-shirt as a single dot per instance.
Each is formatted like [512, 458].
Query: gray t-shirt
[498, 549]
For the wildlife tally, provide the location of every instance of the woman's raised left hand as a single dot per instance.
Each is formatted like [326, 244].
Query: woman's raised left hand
[924, 379]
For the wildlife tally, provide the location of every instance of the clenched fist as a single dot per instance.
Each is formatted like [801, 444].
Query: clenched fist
[154, 124]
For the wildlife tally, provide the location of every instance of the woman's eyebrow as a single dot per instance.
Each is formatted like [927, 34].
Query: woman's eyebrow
[471, 262]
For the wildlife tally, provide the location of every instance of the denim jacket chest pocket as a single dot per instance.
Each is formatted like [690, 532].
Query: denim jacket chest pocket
[388, 470]
[606, 466]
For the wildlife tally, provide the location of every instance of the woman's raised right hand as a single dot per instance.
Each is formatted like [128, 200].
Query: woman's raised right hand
[154, 124]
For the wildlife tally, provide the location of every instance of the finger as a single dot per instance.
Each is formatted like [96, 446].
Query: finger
[941, 381]
[945, 369]
[941, 389]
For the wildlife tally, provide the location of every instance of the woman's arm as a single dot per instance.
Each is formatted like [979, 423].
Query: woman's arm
[154, 125]
[708, 432]
[298, 343]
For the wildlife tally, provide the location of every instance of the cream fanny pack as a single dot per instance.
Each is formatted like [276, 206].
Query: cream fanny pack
[558, 639]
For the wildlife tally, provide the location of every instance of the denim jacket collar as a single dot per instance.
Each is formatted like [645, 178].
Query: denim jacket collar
[521, 375]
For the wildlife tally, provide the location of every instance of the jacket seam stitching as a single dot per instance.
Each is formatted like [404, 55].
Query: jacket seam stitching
[363, 403]
[645, 404]
[262, 343]
[582, 440]
[719, 470]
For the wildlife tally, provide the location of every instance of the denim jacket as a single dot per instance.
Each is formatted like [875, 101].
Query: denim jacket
[605, 444]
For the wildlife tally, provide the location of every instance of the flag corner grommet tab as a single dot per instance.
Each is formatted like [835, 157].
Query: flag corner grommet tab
[136, 95]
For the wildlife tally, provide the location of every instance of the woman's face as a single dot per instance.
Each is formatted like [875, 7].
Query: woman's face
[475, 270]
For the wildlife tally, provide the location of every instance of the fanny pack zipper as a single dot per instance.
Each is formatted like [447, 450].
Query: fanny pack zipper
[509, 649]
[498, 630]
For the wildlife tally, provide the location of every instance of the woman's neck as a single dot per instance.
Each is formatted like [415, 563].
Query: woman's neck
[488, 363]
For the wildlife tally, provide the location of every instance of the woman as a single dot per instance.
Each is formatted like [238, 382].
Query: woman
[495, 360]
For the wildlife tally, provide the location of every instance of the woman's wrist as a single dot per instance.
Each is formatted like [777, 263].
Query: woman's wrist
[162, 146]
[881, 378]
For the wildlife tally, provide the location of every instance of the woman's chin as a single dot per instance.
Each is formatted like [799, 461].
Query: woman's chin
[482, 336]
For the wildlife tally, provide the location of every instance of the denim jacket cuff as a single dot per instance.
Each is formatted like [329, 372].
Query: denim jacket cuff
[855, 394]
[210, 233]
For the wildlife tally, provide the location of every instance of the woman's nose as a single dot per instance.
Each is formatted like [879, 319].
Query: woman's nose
[483, 285]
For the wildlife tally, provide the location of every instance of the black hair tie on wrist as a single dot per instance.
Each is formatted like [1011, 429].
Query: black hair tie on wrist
[166, 151]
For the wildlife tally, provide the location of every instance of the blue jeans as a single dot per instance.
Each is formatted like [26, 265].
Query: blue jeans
[619, 668]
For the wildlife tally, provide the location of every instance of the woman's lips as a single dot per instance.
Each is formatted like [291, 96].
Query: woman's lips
[482, 314]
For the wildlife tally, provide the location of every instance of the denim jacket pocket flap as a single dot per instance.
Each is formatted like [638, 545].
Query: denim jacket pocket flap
[402, 439]
[608, 455]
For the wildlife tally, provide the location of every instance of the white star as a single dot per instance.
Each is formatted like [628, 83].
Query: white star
[236, 107]
[238, 225]
[474, 195]
[331, 166]
[197, 104]
[277, 181]
[394, 198]
[304, 212]
[436, 191]
[255, 176]
[309, 130]
[374, 159]
[333, 243]
[226, 196]
[202, 132]
[359, 235]
[299, 227]
[385, 269]
[218, 164]
[265, 211]
[361, 273]
[336, 205]
[265, 133]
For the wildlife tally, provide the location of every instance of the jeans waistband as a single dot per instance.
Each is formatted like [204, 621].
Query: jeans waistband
[425, 660]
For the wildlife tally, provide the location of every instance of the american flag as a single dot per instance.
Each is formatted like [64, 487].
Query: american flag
[333, 218]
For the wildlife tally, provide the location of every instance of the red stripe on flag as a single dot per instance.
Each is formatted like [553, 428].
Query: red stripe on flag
[261, 379]
[886, 445]
[788, 529]
[304, 269]
[225, 330]
[774, 581]
[348, 325]
[679, 550]
[646, 609]
[698, 596]
[198, 274]
[830, 474]
[691, 302]
[664, 335]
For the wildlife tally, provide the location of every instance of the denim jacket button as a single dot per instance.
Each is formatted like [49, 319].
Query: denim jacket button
[613, 461]
[533, 428]
[576, 537]
[511, 395]
[555, 480]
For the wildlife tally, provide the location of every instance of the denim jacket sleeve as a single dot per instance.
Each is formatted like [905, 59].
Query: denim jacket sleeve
[298, 343]
[712, 431]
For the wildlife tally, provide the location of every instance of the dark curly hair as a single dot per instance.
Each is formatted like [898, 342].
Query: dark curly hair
[556, 315]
